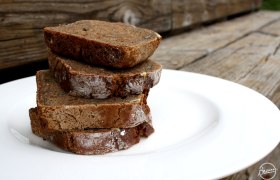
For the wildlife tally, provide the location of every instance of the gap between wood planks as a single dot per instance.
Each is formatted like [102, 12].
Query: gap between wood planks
[265, 59]
[276, 49]
[266, 33]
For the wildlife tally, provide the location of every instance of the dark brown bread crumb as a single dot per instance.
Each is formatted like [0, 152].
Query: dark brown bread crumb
[102, 43]
[95, 82]
[60, 111]
[97, 141]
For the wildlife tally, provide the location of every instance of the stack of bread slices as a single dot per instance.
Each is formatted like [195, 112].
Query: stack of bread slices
[92, 100]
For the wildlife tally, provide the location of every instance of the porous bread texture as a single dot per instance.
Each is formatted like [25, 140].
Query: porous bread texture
[101, 43]
[91, 141]
[83, 80]
[60, 111]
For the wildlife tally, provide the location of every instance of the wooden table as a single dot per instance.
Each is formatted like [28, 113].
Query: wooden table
[21, 22]
[245, 50]
[22, 47]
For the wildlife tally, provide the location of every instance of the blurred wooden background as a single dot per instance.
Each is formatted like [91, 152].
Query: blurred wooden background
[22, 48]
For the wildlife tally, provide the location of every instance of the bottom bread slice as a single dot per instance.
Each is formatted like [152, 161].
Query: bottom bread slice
[91, 141]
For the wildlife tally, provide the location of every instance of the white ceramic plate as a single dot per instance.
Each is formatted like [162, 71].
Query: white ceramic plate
[206, 128]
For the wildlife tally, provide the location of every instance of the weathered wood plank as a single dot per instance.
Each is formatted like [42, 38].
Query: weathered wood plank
[23, 19]
[188, 12]
[43, 13]
[175, 59]
[273, 29]
[25, 50]
[235, 5]
[235, 61]
[13, 32]
[265, 77]
[180, 50]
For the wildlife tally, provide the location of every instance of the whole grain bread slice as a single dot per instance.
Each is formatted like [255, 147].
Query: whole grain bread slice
[102, 43]
[60, 111]
[83, 80]
[91, 141]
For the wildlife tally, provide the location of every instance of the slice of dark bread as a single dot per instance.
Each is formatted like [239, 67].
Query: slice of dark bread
[91, 141]
[102, 43]
[60, 111]
[83, 80]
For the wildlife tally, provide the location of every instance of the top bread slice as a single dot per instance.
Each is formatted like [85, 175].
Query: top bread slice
[60, 111]
[101, 43]
[83, 80]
